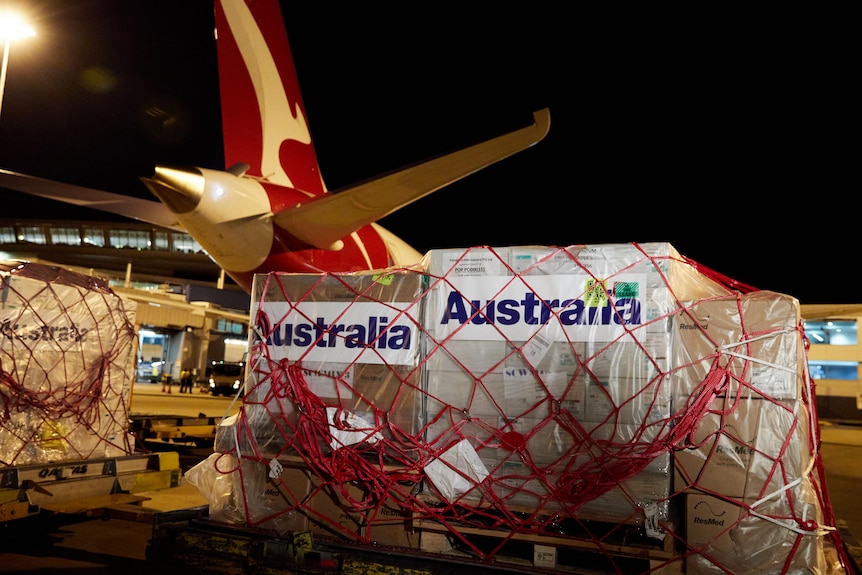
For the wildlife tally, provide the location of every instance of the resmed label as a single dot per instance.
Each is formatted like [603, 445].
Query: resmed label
[364, 332]
[575, 307]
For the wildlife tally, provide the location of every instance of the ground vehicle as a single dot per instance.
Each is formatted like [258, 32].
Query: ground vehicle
[149, 371]
[225, 377]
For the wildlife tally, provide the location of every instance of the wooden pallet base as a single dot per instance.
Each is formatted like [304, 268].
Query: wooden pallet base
[542, 551]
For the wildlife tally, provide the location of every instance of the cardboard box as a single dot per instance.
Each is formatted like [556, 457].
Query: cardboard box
[296, 499]
[709, 521]
[756, 336]
[746, 448]
[350, 343]
[347, 511]
[274, 503]
[318, 319]
[581, 337]
[627, 501]
[627, 401]
[725, 536]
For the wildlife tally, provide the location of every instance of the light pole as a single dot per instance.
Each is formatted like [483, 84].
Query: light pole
[11, 28]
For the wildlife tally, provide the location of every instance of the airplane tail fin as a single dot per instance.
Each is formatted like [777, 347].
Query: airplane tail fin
[263, 114]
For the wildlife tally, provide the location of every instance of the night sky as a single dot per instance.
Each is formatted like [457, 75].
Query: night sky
[727, 139]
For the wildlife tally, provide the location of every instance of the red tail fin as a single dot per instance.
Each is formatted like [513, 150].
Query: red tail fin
[263, 115]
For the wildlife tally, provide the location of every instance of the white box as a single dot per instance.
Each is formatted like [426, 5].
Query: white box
[350, 342]
[562, 321]
[545, 556]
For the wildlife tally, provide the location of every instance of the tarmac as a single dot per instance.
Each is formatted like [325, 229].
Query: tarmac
[841, 448]
[111, 546]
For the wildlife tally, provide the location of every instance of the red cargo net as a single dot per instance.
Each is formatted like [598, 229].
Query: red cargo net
[681, 428]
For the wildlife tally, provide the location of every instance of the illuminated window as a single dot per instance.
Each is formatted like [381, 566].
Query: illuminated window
[94, 236]
[32, 234]
[846, 370]
[7, 235]
[186, 244]
[161, 241]
[62, 236]
[832, 332]
[233, 327]
[135, 239]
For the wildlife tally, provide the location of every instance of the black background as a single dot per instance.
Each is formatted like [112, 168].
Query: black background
[728, 135]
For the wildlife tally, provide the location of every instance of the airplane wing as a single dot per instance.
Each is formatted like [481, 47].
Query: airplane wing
[149, 211]
[328, 218]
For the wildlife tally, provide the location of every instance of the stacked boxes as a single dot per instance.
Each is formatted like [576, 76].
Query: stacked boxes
[332, 398]
[563, 351]
[67, 362]
[596, 383]
[744, 469]
[355, 339]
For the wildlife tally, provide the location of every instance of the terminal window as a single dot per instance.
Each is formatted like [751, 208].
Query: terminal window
[185, 243]
[832, 332]
[7, 235]
[65, 236]
[844, 370]
[136, 239]
[32, 234]
[94, 236]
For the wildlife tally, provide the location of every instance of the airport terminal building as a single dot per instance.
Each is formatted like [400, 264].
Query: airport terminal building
[188, 313]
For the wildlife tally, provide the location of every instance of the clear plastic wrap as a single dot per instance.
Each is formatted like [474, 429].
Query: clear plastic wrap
[553, 390]
[67, 362]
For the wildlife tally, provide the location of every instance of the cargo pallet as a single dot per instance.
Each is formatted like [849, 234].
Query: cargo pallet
[199, 431]
[85, 485]
[626, 545]
[210, 547]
